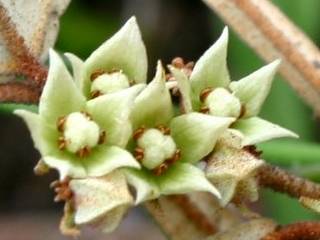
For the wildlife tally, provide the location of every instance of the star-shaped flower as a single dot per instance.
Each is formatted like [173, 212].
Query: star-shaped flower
[167, 146]
[117, 64]
[208, 89]
[81, 138]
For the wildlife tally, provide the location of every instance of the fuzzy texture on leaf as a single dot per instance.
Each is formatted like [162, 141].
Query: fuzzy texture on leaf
[101, 201]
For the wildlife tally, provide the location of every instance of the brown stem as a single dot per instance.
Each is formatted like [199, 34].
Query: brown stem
[25, 63]
[272, 35]
[282, 181]
[179, 218]
[18, 93]
[297, 231]
[194, 214]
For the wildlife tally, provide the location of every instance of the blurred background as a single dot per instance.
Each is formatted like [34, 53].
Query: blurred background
[170, 28]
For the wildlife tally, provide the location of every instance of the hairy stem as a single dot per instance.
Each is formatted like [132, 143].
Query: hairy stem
[179, 218]
[297, 231]
[272, 35]
[24, 62]
[18, 93]
[282, 181]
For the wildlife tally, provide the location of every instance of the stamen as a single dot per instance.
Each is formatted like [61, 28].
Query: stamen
[138, 153]
[86, 114]
[95, 93]
[138, 133]
[83, 152]
[62, 190]
[242, 111]
[96, 74]
[102, 137]
[175, 157]
[165, 130]
[62, 143]
[178, 62]
[204, 110]
[204, 94]
[160, 169]
[60, 123]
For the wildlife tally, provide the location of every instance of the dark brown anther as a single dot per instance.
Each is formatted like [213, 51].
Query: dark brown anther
[138, 133]
[139, 153]
[62, 143]
[62, 190]
[83, 152]
[160, 169]
[176, 156]
[60, 123]
[204, 110]
[204, 94]
[96, 74]
[178, 62]
[86, 114]
[165, 130]
[253, 150]
[95, 93]
[102, 137]
[169, 77]
[132, 82]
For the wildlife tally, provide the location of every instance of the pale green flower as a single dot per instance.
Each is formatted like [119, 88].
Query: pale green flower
[167, 146]
[81, 138]
[210, 90]
[117, 64]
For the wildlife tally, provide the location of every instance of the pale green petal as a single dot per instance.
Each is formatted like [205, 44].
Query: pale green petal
[112, 113]
[77, 69]
[153, 105]
[184, 178]
[310, 203]
[113, 218]
[124, 51]
[256, 130]
[253, 89]
[196, 134]
[98, 199]
[60, 95]
[184, 88]
[104, 159]
[66, 166]
[211, 69]
[144, 184]
[42, 135]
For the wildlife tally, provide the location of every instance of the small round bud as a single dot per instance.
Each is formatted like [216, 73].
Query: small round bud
[157, 147]
[223, 104]
[109, 82]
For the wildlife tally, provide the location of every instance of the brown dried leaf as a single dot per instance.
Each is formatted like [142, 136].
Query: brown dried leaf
[37, 22]
[253, 230]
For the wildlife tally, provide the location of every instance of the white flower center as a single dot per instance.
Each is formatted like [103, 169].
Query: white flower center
[80, 131]
[223, 104]
[157, 147]
[110, 82]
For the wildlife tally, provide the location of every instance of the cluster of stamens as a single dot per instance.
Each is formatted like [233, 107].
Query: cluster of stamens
[179, 63]
[98, 73]
[62, 190]
[203, 96]
[63, 142]
[139, 152]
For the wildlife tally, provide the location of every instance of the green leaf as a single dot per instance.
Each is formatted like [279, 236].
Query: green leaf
[60, 95]
[153, 105]
[11, 107]
[256, 130]
[184, 178]
[123, 51]
[196, 134]
[211, 69]
[112, 113]
[253, 89]
[144, 183]
[104, 159]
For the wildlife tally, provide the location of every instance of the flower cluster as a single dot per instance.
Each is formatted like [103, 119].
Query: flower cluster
[104, 129]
